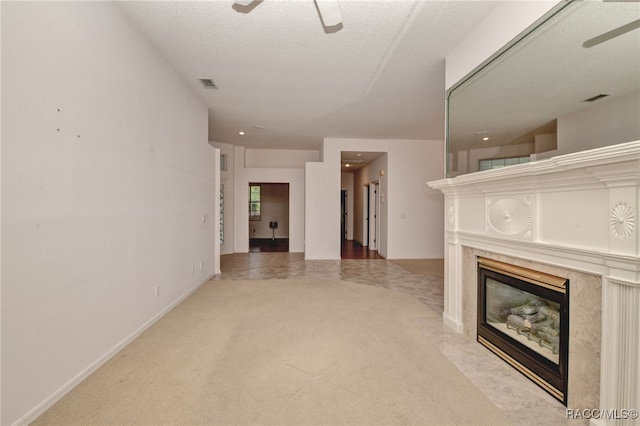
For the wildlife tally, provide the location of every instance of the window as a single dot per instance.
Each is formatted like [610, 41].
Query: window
[221, 213]
[497, 163]
[255, 206]
[223, 162]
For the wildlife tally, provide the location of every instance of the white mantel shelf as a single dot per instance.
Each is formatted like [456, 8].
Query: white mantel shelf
[612, 165]
[577, 211]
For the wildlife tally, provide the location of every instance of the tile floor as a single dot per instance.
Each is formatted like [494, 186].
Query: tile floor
[521, 400]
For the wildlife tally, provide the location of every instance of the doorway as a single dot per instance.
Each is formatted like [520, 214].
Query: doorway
[351, 249]
[268, 217]
[365, 215]
[373, 209]
[362, 177]
[343, 214]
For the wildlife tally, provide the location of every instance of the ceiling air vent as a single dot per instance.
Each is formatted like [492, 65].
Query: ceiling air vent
[208, 83]
[596, 97]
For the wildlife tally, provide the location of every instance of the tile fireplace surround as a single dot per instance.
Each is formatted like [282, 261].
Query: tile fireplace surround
[574, 216]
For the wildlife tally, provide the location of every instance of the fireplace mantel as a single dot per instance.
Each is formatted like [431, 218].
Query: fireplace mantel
[578, 212]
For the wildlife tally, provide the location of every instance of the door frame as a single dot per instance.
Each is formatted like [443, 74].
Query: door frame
[374, 215]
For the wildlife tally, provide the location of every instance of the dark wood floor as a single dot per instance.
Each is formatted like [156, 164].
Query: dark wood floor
[349, 249]
[353, 250]
[269, 245]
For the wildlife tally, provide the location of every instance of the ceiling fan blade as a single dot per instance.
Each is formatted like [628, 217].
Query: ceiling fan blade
[329, 11]
[612, 34]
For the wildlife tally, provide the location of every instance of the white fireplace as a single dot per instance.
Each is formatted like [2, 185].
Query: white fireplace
[574, 216]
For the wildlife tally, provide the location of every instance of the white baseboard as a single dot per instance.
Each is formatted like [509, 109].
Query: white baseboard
[56, 396]
[457, 326]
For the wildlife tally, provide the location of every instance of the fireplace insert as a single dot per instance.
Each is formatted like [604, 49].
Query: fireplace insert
[523, 317]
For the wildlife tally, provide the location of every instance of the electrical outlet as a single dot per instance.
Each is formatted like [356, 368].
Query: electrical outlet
[193, 270]
[157, 291]
[201, 265]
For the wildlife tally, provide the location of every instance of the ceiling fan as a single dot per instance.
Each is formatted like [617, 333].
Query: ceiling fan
[329, 12]
[634, 25]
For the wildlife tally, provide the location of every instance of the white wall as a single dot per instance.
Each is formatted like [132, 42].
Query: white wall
[295, 177]
[346, 181]
[607, 122]
[415, 211]
[279, 158]
[359, 213]
[1, 233]
[545, 143]
[501, 26]
[413, 163]
[226, 179]
[102, 201]
[320, 202]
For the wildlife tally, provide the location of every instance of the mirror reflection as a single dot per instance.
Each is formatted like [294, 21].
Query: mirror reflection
[572, 84]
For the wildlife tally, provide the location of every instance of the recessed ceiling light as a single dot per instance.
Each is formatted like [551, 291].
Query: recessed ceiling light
[241, 133]
[483, 135]
[359, 154]
[347, 165]
[258, 126]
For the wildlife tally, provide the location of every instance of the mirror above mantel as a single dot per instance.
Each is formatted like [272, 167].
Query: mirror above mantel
[570, 84]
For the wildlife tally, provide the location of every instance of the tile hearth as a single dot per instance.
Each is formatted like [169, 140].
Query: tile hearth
[522, 401]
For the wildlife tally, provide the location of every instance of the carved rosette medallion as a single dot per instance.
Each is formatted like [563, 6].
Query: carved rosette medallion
[622, 220]
[510, 216]
[451, 215]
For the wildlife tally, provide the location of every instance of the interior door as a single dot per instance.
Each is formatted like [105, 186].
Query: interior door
[373, 216]
[365, 214]
[343, 214]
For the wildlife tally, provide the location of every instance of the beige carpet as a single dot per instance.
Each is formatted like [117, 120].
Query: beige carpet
[281, 352]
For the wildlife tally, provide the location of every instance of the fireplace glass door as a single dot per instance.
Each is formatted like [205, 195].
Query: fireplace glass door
[522, 317]
[532, 320]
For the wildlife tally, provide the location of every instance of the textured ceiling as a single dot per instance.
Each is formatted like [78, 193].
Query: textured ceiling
[353, 161]
[380, 76]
